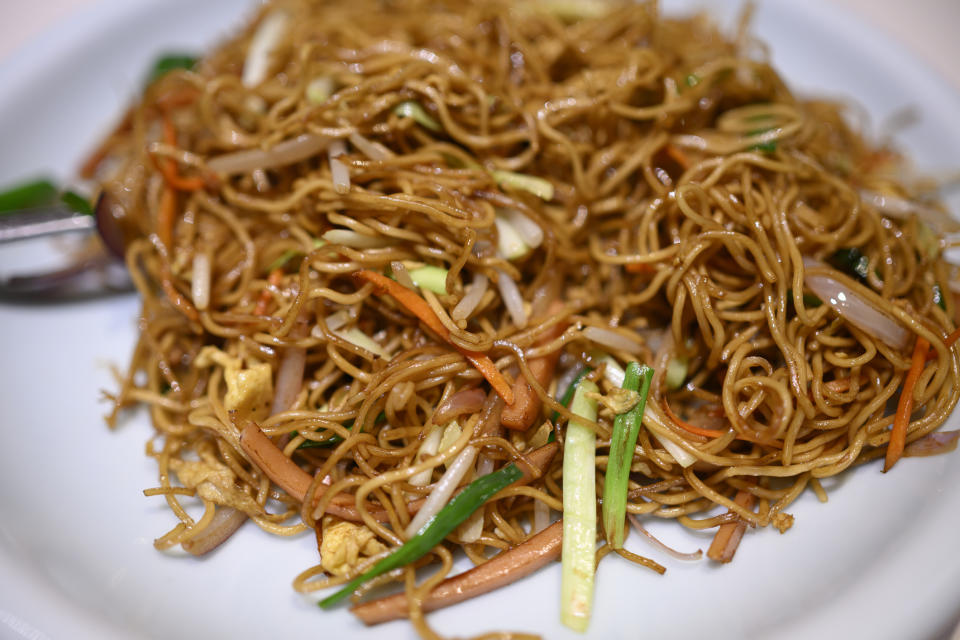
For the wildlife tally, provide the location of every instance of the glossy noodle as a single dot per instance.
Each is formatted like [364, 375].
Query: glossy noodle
[376, 241]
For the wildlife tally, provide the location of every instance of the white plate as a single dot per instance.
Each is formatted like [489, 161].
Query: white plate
[76, 555]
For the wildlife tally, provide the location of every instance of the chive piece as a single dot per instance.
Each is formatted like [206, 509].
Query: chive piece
[676, 372]
[579, 512]
[539, 187]
[76, 203]
[413, 109]
[626, 427]
[282, 261]
[170, 62]
[692, 80]
[436, 529]
[569, 391]
[28, 195]
[938, 297]
[852, 261]
[430, 277]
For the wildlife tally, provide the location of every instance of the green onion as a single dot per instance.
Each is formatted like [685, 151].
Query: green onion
[413, 109]
[539, 187]
[76, 203]
[28, 195]
[436, 529]
[569, 391]
[676, 372]
[284, 258]
[170, 62]
[626, 427]
[852, 261]
[692, 80]
[430, 277]
[938, 297]
[579, 512]
[320, 89]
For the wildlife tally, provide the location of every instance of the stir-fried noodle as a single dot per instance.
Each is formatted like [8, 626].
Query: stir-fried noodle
[376, 241]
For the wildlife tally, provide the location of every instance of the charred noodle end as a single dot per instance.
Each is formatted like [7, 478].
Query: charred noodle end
[501, 570]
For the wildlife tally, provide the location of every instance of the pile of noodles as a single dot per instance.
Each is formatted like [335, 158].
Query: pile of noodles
[596, 180]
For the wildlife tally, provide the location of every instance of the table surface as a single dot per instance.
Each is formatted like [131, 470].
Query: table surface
[927, 28]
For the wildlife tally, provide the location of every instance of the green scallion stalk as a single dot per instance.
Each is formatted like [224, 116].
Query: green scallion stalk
[626, 427]
[430, 277]
[170, 62]
[539, 187]
[938, 297]
[413, 109]
[676, 372]
[436, 529]
[579, 512]
[28, 195]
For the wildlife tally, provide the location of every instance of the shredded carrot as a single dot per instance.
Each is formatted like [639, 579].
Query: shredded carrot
[166, 216]
[948, 342]
[168, 167]
[419, 307]
[700, 431]
[639, 267]
[901, 420]
[678, 156]
[728, 536]
[275, 279]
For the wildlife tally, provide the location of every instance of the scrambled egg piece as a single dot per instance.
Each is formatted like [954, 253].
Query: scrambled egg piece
[343, 543]
[782, 521]
[213, 481]
[249, 389]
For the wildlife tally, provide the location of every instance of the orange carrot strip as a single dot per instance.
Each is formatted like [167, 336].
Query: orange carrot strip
[166, 217]
[639, 267]
[728, 536]
[419, 307]
[169, 166]
[700, 431]
[901, 420]
[948, 342]
[678, 156]
[274, 279]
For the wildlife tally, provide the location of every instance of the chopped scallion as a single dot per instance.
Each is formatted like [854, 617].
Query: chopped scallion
[626, 427]
[579, 512]
[169, 62]
[539, 187]
[430, 277]
[676, 372]
[28, 195]
[413, 109]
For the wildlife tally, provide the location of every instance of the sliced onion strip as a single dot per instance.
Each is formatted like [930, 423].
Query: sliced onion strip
[612, 339]
[510, 294]
[471, 299]
[853, 307]
[283, 153]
